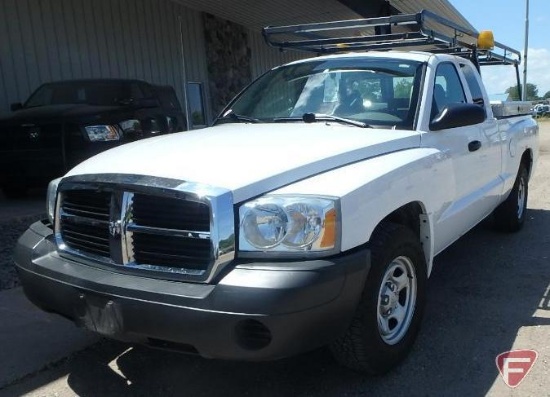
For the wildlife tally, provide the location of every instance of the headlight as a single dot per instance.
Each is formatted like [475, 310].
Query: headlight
[51, 198]
[265, 225]
[99, 133]
[289, 224]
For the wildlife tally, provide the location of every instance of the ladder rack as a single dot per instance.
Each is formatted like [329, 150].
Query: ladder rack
[424, 31]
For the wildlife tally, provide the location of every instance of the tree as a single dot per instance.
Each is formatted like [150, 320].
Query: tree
[547, 95]
[532, 92]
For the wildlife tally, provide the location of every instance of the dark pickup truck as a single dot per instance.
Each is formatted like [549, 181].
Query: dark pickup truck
[64, 123]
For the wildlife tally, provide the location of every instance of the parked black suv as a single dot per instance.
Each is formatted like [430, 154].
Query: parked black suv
[66, 122]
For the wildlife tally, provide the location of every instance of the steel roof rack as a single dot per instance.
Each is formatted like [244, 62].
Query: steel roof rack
[423, 31]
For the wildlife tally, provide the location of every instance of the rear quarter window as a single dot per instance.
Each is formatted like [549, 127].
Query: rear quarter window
[471, 78]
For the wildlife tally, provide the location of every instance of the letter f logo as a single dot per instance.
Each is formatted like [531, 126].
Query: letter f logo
[515, 365]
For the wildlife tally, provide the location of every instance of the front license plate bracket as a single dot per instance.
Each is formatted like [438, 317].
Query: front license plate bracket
[99, 314]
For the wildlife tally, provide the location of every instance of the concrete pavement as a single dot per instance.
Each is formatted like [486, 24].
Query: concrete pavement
[30, 339]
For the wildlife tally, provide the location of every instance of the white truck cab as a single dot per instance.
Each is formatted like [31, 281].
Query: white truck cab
[309, 214]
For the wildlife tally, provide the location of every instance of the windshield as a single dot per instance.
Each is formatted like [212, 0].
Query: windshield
[86, 92]
[376, 91]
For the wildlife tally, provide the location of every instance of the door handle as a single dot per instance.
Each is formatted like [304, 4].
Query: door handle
[474, 145]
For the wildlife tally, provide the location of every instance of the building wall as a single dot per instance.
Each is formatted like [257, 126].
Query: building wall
[265, 57]
[49, 40]
[228, 57]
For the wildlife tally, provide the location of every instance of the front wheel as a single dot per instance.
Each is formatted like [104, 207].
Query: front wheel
[388, 317]
[509, 216]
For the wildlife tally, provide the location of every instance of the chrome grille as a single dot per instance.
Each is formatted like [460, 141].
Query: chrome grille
[85, 221]
[166, 231]
[170, 213]
[148, 224]
[173, 251]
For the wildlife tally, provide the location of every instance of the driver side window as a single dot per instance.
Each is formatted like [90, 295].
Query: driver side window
[447, 88]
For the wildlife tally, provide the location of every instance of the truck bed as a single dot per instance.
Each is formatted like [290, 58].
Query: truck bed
[503, 109]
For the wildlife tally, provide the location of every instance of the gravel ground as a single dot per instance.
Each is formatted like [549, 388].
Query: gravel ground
[11, 230]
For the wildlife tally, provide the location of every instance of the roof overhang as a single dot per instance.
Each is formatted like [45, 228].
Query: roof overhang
[256, 14]
[380, 8]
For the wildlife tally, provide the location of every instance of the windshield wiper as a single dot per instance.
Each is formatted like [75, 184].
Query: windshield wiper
[229, 115]
[314, 117]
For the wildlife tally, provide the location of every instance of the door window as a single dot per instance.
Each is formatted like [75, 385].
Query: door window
[447, 88]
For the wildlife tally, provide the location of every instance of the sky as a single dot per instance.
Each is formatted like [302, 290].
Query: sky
[506, 18]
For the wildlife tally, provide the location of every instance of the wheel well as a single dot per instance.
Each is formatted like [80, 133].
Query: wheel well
[413, 216]
[527, 160]
[407, 215]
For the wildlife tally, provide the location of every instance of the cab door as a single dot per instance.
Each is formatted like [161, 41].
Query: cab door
[473, 156]
[491, 156]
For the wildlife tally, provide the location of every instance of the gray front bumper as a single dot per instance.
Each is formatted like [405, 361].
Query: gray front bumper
[257, 311]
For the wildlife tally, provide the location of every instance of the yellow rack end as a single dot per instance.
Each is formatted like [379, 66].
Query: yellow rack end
[485, 40]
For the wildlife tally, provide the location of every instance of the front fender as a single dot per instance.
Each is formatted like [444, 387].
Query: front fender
[372, 189]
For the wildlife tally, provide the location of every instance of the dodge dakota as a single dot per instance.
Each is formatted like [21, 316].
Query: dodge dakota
[308, 215]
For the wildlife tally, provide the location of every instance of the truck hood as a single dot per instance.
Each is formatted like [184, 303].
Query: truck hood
[54, 113]
[249, 159]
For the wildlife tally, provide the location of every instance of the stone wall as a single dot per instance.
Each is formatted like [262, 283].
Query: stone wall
[228, 59]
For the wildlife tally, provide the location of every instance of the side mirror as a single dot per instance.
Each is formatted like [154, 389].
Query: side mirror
[458, 115]
[16, 106]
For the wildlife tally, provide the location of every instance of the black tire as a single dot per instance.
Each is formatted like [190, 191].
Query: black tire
[509, 216]
[363, 347]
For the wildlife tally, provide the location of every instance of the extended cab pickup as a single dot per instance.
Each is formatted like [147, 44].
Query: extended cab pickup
[63, 123]
[308, 215]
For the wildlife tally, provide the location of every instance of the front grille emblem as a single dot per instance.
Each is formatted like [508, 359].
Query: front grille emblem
[34, 134]
[115, 228]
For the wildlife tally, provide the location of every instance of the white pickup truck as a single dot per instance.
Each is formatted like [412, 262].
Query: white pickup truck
[308, 215]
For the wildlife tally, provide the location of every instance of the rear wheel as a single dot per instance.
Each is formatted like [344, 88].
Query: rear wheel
[509, 216]
[388, 317]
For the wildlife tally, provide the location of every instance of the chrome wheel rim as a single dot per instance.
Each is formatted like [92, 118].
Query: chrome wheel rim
[521, 197]
[396, 300]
